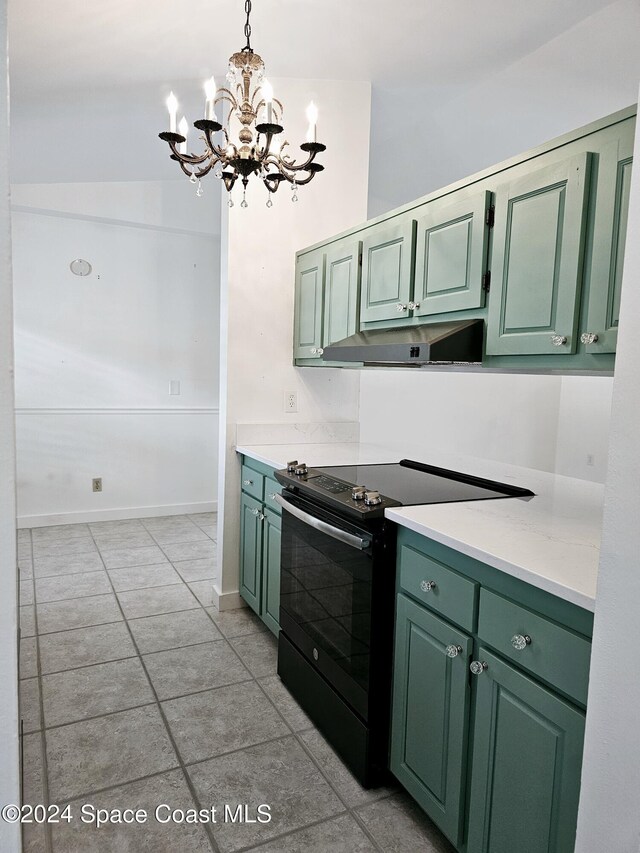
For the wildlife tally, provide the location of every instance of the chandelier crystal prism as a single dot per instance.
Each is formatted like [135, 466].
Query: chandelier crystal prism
[245, 146]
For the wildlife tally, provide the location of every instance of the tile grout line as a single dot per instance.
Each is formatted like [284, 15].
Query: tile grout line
[213, 843]
[48, 839]
[183, 766]
[325, 776]
[301, 743]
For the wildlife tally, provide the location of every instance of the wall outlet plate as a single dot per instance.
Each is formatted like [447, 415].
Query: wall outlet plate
[96, 484]
[291, 401]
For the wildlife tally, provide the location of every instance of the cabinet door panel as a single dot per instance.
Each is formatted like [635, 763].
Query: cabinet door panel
[430, 714]
[271, 570]
[609, 239]
[387, 271]
[525, 777]
[307, 332]
[451, 254]
[341, 292]
[250, 550]
[537, 260]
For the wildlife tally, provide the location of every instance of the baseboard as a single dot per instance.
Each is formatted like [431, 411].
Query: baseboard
[227, 600]
[115, 514]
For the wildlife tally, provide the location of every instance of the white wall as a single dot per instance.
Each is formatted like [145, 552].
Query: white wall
[9, 751]
[583, 427]
[552, 423]
[95, 354]
[510, 418]
[609, 818]
[445, 131]
[257, 287]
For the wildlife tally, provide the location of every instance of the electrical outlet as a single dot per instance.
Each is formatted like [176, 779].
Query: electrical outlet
[591, 460]
[96, 484]
[290, 401]
[174, 387]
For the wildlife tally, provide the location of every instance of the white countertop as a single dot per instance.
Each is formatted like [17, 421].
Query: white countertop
[551, 541]
[316, 455]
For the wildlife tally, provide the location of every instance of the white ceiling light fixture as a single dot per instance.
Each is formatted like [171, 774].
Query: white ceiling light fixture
[246, 146]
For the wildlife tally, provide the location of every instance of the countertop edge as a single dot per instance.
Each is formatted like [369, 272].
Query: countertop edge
[529, 576]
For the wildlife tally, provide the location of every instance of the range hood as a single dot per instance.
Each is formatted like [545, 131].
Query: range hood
[458, 342]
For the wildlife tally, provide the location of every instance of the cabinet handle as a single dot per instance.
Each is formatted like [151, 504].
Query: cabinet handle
[589, 338]
[520, 641]
[400, 307]
[558, 340]
[427, 586]
[453, 651]
[477, 667]
[247, 482]
[255, 512]
[320, 350]
[272, 496]
[413, 306]
[314, 350]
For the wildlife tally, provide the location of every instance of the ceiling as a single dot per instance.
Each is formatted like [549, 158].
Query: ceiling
[84, 46]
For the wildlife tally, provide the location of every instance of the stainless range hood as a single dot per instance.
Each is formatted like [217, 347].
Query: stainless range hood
[458, 342]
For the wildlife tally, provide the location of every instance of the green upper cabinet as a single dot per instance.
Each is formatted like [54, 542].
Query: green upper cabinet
[537, 258]
[307, 330]
[451, 253]
[430, 715]
[342, 290]
[600, 330]
[387, 270]
[527, 755]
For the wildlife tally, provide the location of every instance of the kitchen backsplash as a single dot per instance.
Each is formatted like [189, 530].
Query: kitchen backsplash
[309, 433]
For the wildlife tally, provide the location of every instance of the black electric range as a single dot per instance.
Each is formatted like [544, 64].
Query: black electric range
[337, 591]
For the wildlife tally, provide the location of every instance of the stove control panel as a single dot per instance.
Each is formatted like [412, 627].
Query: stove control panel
[357, 501]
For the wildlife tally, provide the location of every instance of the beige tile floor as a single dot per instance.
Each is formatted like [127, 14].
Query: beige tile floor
[136, 691]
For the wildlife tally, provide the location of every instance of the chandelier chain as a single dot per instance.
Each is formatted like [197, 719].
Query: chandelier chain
[247, 26]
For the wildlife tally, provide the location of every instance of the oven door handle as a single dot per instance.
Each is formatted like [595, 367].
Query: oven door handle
[359, 542]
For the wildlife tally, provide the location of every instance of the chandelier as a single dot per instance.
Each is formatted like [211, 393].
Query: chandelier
[252, 148]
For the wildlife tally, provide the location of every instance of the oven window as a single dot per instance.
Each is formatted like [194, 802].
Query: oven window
[326, 590]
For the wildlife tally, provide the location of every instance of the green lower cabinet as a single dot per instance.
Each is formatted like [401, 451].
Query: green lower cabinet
[525, 772]
[271, 535]
[250, 550]
[260, 524]
[431, 713]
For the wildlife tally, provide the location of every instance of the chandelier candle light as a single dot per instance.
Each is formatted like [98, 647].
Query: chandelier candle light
[255, 152]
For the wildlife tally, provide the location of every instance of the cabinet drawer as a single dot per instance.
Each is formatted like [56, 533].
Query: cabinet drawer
[252, 482]
[439, 587]
[555, 654]
[272, 487]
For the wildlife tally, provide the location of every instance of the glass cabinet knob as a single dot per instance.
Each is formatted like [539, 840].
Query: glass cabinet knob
[477, 667]
[400, 307]
[413, 306]
[453, 651]
[520, 641]
[427, 586]
[589, 338]
[558, 340]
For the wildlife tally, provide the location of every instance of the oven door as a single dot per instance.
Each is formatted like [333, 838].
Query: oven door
[325, 594]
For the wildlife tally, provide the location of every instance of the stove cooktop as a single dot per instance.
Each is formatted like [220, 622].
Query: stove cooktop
[367, 490]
